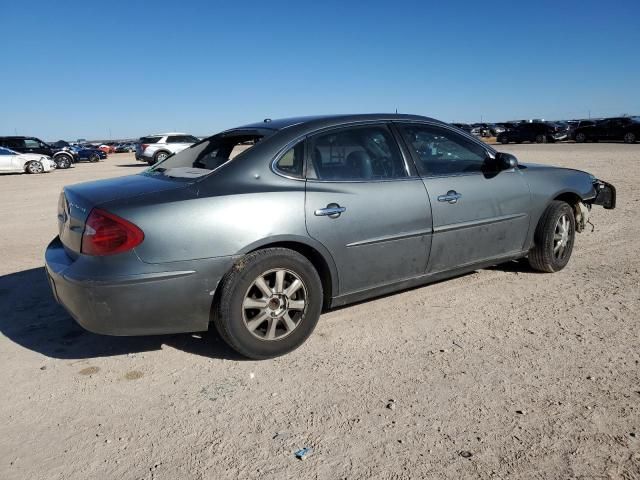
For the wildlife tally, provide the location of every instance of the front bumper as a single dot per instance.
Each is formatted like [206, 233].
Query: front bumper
[104, 296]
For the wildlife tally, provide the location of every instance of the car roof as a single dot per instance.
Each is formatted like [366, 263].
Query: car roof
[329, 120]
[18, 137]
[167, 133]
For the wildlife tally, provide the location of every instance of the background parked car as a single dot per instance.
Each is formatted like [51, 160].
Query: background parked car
[537, 132]
[12, 161]
[125, 147]
[155, 148]
[625, 129]
[83, 153]
[107, 148]
[463, 126]
[36, 146]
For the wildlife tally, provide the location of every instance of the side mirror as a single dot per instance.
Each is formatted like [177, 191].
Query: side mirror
[506, 161]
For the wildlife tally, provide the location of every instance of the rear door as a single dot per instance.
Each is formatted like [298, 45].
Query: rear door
[366, 206]
[478, 213]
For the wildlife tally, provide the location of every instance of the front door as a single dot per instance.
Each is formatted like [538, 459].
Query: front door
[363, 204]
[478, 213]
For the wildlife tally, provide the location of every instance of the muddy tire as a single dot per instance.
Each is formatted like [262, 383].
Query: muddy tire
[269, 303]
[554, 238]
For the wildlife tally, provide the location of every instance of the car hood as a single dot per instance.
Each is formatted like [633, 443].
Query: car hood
[102, 191]
[542, 167]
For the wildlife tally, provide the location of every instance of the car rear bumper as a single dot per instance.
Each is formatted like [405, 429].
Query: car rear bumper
[161, 298]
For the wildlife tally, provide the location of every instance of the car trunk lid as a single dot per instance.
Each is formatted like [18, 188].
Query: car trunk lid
[77, 201]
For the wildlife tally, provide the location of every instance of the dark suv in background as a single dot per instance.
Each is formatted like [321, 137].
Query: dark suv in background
[538, 132]
[37, 146]
[625, 129]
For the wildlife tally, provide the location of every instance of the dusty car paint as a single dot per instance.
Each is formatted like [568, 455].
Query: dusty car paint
[393, 234]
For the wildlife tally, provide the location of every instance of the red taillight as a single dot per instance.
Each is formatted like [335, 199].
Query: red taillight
[107, 234]
[143, 146]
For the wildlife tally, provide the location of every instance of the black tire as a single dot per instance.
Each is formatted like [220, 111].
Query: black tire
[230, 312]
[629, 137]
[581, 137]
[542, 256]
[159, 156]
[34, 167]
[504, 141]
[94, 157]
[541, 138]
[63, 161]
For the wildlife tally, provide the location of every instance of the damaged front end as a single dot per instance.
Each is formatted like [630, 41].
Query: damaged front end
[605, 196]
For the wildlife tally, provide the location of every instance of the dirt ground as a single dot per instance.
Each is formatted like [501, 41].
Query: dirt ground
[502, 373]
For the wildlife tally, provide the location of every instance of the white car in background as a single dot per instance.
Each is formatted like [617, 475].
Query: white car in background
[12, 162]
[155, 148]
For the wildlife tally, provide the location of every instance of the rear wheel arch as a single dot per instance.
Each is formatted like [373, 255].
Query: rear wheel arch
[322, 262]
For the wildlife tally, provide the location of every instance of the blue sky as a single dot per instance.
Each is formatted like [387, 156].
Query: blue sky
[128, 68]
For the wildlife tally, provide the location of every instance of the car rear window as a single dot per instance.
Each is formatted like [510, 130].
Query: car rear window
[202, 158]
[150, 139]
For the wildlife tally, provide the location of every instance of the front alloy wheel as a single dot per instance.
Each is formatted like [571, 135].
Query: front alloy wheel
[35, 167]
[629, 137]
[554, 238]
[63, 161]
[581, 137]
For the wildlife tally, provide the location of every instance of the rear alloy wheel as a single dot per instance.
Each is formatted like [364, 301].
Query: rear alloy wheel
[35, 167]
[629, 137]
[554, 238]
[541, 139]
[269, 303]
[94, 157]
[63, 161]
[581, 137]
[160, 156]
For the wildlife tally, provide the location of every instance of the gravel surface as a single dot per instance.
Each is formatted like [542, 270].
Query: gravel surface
[502, 373]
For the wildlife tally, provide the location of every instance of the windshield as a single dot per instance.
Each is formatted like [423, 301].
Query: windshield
[202, 158]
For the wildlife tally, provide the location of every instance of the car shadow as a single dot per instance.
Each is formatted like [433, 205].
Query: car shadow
[128, 165]
[515, 266]
[30, 317]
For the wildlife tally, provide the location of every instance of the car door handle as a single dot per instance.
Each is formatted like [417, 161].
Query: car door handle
[333, 210]
[452, 197]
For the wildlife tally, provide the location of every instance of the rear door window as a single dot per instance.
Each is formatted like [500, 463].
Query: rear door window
[356, 154]
[181, 139]
[14, 143]
[150, 139]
